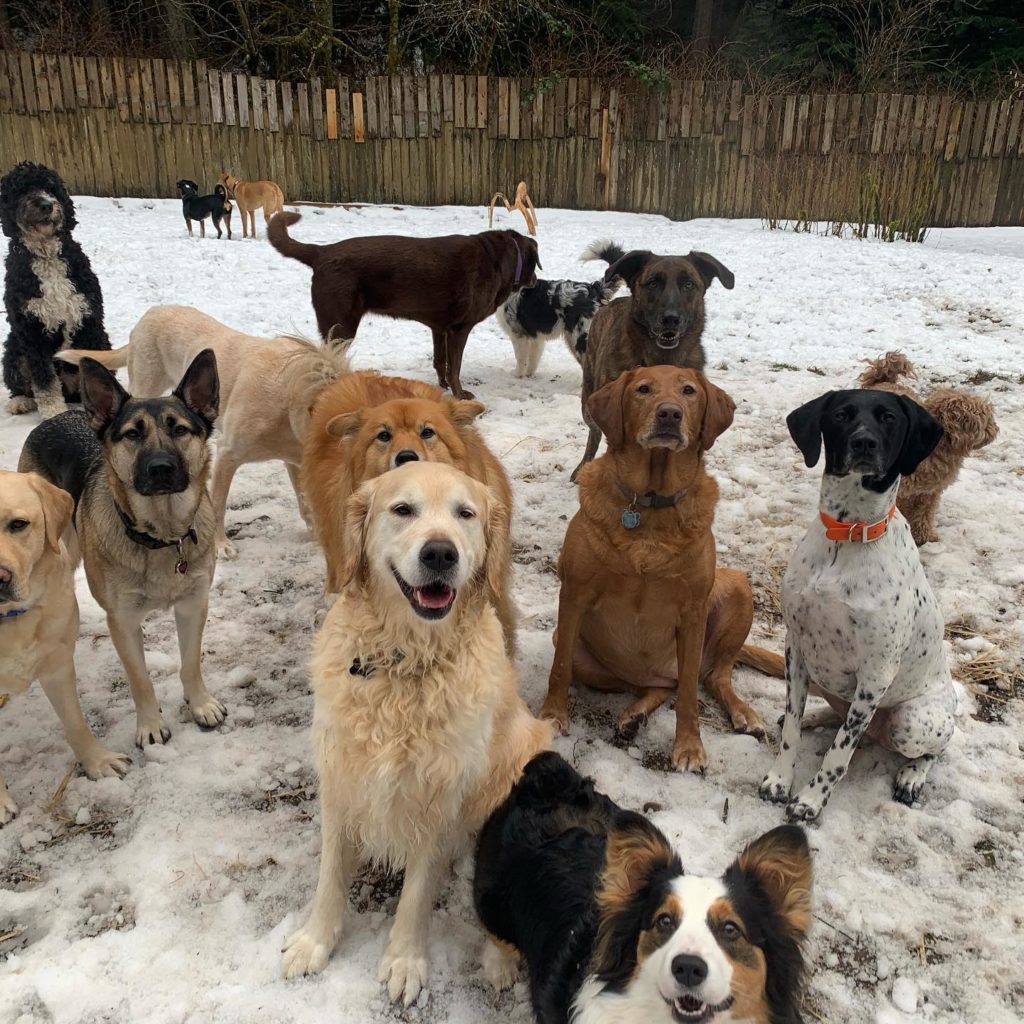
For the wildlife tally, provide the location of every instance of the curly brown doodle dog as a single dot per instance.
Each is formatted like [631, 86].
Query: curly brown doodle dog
[660, 323]
[364, 425]
[642, 606]
[968, 423]
[137, 469]
[418, 730]
[250, 196]
[267, 388]
[449, 284]
[39, 615]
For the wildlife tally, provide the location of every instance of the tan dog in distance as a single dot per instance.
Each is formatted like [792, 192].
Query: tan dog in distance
[267, 388]
[418, 729]
[39, 615]
[249, 196]
[364, 425]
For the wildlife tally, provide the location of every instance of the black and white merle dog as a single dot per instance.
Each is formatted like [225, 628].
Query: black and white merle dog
[549, 309]
[216, 206]
[595, 901]
[52, 298]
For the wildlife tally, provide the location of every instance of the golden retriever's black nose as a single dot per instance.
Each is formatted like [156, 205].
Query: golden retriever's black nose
[669, 414]
[439, 555]
[406, 455]
[689, 971]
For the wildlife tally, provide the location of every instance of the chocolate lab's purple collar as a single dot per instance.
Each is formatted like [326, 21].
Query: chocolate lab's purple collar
[519, 259]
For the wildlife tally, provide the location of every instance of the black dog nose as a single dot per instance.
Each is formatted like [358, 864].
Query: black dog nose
[406, 455]
[668, 414]
[670, 321]
[161, 468]
[439, 555]
[689, 970]
[865, 444]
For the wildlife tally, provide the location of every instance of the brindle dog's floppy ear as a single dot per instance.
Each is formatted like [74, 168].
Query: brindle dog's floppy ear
[58, 507]
[605, 408]
[629, 267]
[199, 389]
[805, 427]
[463, 411]
[923, 434]
[102, 395]
[345, 424]
[717, 416]
[357, 522]
[710, 268]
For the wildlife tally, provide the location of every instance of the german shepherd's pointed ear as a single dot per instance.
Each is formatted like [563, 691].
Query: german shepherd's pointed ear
[629, 267]
[199, 389]
[805, 427]
[345, 424]
[58, 508]
[710, 268]
[924, 432]
[357, 523]
[718, 414]
[779, 862]
[463, 411]
[605, 408]
[102, 395]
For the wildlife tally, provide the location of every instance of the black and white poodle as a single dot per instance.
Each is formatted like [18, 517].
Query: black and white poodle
[533, 316]
[52, 298]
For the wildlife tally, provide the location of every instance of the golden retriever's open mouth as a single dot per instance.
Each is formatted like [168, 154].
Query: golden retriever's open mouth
[431, 601]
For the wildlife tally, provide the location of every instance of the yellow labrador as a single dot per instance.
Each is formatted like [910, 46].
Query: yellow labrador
[418, 729]
[39, 615]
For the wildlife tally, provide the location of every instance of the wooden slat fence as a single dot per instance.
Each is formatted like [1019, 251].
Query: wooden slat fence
[133, 127]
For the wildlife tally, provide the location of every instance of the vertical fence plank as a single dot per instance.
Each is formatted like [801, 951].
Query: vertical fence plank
[316, 103]
[344, 109]
[422, 108]
[435, 105]
[174, 93]
[358, 121]
[163, 107]
[227, 82]
[216, 101]
[242, 99]
[481, 101]
[331, 103]
[256, 93]
[305, 124]
[203, 92]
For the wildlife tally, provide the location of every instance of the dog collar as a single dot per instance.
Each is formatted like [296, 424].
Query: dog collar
[864, 533]
[147, 540]
[519, 260]
[630, 518]
[14, 613]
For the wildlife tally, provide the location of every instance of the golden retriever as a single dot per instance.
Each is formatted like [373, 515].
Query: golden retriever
[418, 729]
[39, 615]
[364, 425]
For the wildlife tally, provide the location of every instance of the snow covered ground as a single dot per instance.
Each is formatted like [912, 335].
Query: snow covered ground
[164, 898]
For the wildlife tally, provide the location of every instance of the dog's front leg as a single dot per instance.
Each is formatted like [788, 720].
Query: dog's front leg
[190, 617]
[572, 606]
[778, 783]
[126, 634]
[872, 682]
[403, 967]
[224, 468]
[688, 753]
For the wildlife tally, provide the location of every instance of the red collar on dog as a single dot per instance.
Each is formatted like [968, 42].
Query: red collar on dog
[863, 533]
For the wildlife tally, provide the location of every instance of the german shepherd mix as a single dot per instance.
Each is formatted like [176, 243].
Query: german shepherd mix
[137, 470]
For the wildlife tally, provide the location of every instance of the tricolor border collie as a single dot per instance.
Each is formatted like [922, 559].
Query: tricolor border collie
[549, 309]
[612, 931]
[52, 298]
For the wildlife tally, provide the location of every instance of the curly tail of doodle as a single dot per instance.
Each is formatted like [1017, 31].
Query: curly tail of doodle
[277, 234]
[887, 370]
[768, 662]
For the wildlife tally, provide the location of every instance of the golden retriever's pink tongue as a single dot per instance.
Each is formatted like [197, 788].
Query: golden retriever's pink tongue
[433, 596]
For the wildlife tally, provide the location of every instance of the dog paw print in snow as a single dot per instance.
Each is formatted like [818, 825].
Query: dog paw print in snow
[106, 910]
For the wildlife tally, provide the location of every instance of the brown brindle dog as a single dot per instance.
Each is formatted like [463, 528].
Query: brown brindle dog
[643, 608]
[660, 323]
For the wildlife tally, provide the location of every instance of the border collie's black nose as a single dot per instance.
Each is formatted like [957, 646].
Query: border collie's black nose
[689, 971]
[406, 455]
[439, 555]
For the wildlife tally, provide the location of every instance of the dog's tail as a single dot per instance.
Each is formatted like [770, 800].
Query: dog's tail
[768, 662]
[886, 370]
[277, 233]
[114, 359]
[609, 251]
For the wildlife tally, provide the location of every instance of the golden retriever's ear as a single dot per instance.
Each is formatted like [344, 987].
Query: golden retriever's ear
[58, 508]
[357, 521]
[499, 547]
[463, 411]
[606, 409]
[717, 416]
[345, 424]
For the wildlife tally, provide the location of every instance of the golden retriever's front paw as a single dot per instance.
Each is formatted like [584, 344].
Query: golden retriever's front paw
[557, 713]
[208, 711]
[688, 755]
[100, 763]
[305, 953]
[405, 976]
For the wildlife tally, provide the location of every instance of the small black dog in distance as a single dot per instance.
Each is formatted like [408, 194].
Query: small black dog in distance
[51, 295]
[595, 901]
[195, 207]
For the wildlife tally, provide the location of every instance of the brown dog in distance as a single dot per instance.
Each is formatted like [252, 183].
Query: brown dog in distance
[643, 607]
[449, 284]
[364, 425]
[660, 323]
[250, 196]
